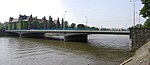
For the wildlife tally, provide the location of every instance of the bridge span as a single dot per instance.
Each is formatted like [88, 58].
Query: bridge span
[71, 31]
[69, 35]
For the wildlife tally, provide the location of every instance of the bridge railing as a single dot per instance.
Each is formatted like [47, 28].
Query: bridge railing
[58, 29]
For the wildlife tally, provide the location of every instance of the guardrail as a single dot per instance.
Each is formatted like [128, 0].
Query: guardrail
[58, 29]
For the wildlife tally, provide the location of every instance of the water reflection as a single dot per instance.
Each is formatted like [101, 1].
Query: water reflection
[24, 51]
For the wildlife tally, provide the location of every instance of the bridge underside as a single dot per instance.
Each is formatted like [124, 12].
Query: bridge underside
[76, 38]
[32, 35]
[11, 34]
[69, 37]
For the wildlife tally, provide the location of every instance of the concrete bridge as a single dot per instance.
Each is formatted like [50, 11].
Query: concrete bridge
[138, 36]
[69, 35]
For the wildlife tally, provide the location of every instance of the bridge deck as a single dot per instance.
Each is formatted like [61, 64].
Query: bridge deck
[74, 31]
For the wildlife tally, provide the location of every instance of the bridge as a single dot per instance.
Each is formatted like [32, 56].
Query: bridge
[69, 35]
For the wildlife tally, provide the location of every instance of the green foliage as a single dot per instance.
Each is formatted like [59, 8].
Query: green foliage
[73, 25]
[35, 23]
[94, 28]
[80, 26]
[2, 26]
[145, 11]
[147, 23]
[58, 23]
[51, 23]
[62, 23]
[66, 24]
[87, 27]
[138, 26]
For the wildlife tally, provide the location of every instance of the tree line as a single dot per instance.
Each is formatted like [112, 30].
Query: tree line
[35, 23]
[145, 12]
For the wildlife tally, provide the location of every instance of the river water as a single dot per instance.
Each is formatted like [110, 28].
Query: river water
[100, 50]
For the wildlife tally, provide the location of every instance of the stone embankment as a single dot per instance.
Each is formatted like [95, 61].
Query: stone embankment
[141, 56]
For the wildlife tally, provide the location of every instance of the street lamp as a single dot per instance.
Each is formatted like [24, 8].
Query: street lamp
[139, 19]
[133, 11]
[64, 21]
[86, 18]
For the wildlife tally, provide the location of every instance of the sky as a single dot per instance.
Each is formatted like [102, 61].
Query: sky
[99, 13]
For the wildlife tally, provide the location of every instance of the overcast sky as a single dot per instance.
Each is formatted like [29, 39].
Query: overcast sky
[106, 13]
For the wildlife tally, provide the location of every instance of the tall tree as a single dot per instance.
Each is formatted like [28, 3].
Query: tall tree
[145, 12]
[66, 25]
[147, 23]
[29, 22]
[34, 23]
[50, 22]
[62, 23]
[73, 25]
[44, 22]
[80, 26]
[58, 23]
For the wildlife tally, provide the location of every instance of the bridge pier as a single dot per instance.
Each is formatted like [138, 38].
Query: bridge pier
[76, 38]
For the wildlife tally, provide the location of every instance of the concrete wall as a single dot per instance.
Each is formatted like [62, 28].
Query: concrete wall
[139, 36]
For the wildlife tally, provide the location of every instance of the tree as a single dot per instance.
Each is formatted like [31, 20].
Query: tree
[29, 22]
[50, 24]
[58, 23]
[62, 23]
[66, 24]
[147, 23]
[73, 25]
[44, 22]
[145, 11]
[34, 23]
[80, 26]
[138, 26]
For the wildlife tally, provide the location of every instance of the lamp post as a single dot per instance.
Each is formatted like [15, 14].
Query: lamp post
[64, 21]
[86, 20]
[133, 12]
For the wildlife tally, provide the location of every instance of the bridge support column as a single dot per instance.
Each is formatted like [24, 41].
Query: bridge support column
[33, 35]
[76, 38]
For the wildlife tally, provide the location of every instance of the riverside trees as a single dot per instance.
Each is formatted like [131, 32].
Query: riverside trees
[145, 12]
[28, 22]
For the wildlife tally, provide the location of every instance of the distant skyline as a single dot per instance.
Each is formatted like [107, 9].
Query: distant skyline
[105, 13]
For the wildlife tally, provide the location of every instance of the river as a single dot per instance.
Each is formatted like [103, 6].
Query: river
[100, 50]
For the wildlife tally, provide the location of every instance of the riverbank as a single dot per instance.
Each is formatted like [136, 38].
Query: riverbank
[141, 56]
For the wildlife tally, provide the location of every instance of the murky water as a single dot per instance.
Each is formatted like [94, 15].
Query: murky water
[100, 50]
